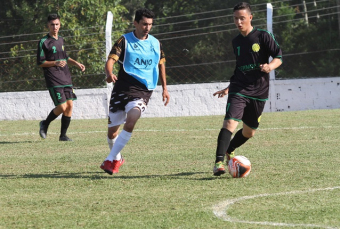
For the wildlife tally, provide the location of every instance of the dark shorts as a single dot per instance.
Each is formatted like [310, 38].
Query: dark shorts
[60, 95]
[119, 101]
[248, 110]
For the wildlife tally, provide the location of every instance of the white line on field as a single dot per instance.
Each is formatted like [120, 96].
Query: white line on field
[220, 209]
[171, 130]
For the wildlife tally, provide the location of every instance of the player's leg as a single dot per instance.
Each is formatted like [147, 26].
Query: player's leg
[223, 141]
[115, 119]
[134, 111]
[239, 139]
[112, 134]
[66, 109]
[125, 135]
[65, 120]
[251, 121]
[234, 112]
[58, 98]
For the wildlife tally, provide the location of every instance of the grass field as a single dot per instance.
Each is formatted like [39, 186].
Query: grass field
[167, 179]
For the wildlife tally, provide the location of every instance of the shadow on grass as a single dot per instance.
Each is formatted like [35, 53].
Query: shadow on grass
[102, 175]
[21, 142]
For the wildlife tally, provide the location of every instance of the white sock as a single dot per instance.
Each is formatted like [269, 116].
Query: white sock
[111, 142]
[119, 144]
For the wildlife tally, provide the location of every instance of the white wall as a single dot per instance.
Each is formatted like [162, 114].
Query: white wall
[186, 100]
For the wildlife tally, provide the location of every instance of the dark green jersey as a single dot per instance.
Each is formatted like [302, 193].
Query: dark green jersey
[51, 49]
[251, 51]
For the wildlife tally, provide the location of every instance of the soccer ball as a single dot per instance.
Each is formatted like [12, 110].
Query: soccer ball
[239, 166]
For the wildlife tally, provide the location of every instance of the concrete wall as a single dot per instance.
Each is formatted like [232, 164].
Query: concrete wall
[186, 100]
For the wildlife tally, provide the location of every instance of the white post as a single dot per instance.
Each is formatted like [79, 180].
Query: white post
[272, 97]
[306, 13]
[270, 29]
[108, 46]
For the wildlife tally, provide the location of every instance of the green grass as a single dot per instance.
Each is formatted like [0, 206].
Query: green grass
[167, 179]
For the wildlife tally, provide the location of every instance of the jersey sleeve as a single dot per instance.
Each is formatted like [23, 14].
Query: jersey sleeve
[41, 58]
[273, 47]
[162, 58]
[117, 49]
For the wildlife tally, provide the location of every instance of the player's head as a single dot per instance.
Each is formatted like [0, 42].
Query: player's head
[143, 22]
[243, 17]
[52, 17]
[53, 23]
[143, 13]
[242, 6]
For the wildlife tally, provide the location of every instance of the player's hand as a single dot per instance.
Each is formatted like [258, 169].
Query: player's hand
[60, 63]
[111, 78]
[222, 93]
[265, 68]
[81, 66]
[166, 97]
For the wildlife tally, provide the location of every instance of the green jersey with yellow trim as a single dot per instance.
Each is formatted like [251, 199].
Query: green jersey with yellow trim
[51, 49]
[251, 51]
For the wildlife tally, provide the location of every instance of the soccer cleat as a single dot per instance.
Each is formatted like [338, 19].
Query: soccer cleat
[230, 156]
[65, 139]
[117, 164]
[219, 169]
[107, 166]
[43, 130]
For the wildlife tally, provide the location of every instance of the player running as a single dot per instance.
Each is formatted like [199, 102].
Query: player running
[249, 86]
[142, 62]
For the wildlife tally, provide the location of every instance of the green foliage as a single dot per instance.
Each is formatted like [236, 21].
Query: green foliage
[83, 28]
[196, 37]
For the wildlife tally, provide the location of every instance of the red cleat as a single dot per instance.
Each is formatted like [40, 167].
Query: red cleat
[117, 164]
[107, 166]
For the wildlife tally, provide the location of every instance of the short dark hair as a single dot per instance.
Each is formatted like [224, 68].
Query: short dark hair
[242, 6]
[52, 17]
[143, 13]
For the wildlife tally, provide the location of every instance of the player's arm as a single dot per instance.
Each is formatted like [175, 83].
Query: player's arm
[70, 61]
[274, 51]
[117, 49]
[162, 76]
[275, 63]
[42, 62]
[57, 63]
[110, 77]
[222, 93]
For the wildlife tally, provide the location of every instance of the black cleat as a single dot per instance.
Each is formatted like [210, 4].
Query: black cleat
[43, 130]
[65, 139]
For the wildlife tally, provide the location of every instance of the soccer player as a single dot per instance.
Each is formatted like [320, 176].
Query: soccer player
[142, 62]
[52, 57]
[249, 86]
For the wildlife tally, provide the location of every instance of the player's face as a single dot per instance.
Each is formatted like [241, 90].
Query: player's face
[54, 26]
[143, 27]
[242, 20]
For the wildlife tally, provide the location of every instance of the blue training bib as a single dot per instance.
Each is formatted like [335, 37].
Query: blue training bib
[142, 58]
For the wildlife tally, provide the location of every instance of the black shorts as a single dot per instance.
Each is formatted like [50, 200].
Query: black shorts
[248, 110]
[60, 95]
[124, 92]
[120, 100]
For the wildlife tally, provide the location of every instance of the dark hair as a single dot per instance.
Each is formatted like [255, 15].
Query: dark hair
[242, 6]
[143, 13]
[52, 17]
